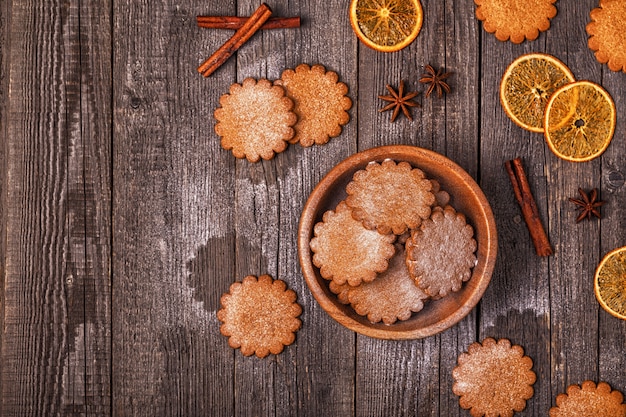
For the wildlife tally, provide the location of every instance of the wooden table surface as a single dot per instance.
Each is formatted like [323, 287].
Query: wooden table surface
[123, 220]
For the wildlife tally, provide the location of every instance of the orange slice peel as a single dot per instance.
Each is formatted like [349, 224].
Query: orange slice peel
[386, 25]
[579, 121]
[527, 85]
[610, 283]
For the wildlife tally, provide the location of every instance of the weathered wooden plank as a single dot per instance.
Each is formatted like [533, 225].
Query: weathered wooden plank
[88, 283]
[573, 311]
[325, 350]
[257, 243]
[76, 221]
[254, 221]
[414, 378]
[56, 254]
[173, 239]
[516, 305]
[314, 376]
[612, 331]
[5, 13]
[460, 126]
[391, 374]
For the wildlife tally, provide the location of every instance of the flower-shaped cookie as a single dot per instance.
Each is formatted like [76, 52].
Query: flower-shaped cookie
[320, 103]
[589, 400]
[515, 19]
[345, 251]
[255, 120]
[259, 316]
[340, 290]
[442, 198]
[607, 34]
[440, 254]
[493, 378]
[391, 296]
[390, 197]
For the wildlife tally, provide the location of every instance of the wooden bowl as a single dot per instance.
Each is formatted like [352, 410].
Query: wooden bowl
[466, 197]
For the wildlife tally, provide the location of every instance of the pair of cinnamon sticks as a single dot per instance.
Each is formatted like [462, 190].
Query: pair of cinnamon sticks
[235, 22]
[245, 28]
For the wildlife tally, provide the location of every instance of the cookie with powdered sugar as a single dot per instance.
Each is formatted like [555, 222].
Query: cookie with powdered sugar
[340, 290]
[440, 254]
[442, 198]
[390, 197]
[515, 20]
[391, 296]
[607, 37]
[493, 378]
[321, 103]
[345, 251]
[589, 399]
[259, 316]
[255, 120]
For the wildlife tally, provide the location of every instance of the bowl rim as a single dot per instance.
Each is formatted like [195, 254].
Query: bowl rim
[308, 218]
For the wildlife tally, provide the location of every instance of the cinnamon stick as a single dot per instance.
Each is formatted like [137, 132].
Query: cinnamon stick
[235, 22]
[249, 28]
[525, 198]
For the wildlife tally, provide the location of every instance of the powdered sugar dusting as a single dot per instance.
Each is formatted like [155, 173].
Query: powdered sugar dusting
[257, 218]
[73, 370]
[207, 205]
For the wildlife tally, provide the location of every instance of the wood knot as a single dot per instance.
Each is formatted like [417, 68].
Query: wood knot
[135, 102]
[616, 179]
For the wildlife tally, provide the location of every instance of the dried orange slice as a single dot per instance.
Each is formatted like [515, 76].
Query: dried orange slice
[386, 25]
[527, 85]
[579, 121]
[610, 283]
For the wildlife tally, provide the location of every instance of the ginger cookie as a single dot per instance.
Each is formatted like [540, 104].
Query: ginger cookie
[259, 316]
[493, 378]
[320, 101]
[255, 120]
[390, 197]
[515, 20]
[589, 400]
[345, 251]
[340, 290]
[442, 198]
[440, 254]
[607, 35]
[391, 296]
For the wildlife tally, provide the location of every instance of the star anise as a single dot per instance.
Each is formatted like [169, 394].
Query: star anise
[399, 101]
[588, 205]
[436, 80]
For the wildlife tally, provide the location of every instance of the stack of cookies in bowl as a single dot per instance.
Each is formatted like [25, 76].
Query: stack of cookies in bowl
[397, 242]
[393, 243]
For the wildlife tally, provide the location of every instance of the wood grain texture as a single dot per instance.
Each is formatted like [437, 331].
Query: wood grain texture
[326, 351]
[611, 331]
[173, 239]
[88, 282]
[5, 21]
[574, 353]
[317, 370]
[550, 306]
[452, 133]
[123, 220]
[56, 350]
